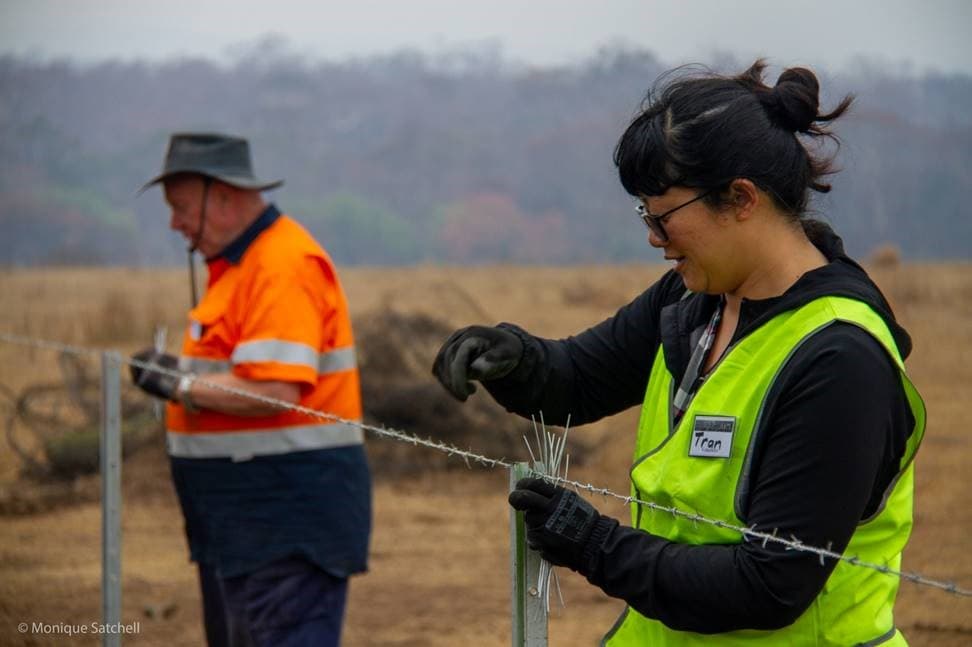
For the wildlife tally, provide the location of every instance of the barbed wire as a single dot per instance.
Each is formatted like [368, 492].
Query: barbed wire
[748, 533]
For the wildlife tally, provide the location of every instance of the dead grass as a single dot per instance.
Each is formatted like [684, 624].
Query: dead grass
[439, 570]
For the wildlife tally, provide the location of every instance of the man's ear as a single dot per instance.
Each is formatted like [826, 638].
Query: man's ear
[743, 197]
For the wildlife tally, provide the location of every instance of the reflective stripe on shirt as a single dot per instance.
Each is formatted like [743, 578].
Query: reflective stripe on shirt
[340, 359]
[275, 350]
[201, 366]
[245, 444]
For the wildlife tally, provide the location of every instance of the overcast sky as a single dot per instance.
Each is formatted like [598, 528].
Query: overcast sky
[931, 34]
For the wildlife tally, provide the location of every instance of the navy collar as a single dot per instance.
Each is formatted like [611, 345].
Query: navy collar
[235, 250]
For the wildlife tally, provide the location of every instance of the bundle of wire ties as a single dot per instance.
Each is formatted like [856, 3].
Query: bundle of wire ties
[551, 448]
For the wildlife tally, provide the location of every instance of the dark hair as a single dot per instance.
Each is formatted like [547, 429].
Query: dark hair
[707, 130]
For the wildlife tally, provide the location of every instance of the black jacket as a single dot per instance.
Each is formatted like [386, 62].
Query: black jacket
[830, 445]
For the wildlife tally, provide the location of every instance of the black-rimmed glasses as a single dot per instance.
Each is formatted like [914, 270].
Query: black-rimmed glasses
[655, 222]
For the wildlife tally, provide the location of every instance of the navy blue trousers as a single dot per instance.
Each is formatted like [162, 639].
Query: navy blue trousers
[287, 603]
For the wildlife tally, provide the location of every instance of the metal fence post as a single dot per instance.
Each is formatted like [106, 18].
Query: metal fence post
[529, 612]
[110, 496]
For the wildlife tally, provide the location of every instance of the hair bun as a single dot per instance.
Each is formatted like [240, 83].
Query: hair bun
[797, 99]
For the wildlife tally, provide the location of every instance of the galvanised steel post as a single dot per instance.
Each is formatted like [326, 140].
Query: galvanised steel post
[110, 496]
[529, 609]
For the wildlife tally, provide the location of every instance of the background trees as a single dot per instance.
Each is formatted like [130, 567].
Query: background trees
[406, 158]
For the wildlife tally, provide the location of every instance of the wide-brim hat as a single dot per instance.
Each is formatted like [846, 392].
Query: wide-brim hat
[221, 157]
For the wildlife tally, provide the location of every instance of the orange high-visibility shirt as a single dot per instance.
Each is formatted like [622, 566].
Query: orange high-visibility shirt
[279, 314]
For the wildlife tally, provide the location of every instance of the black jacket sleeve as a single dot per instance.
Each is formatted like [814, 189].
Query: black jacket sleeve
[837, 424]
[594, 374]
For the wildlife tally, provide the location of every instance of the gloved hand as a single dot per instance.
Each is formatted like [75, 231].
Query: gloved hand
[558, 521]
[152, 382]
[476, 353]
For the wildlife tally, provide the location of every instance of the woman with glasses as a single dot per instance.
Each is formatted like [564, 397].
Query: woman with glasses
[769, 372]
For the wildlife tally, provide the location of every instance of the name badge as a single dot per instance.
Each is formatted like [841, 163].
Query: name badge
[195, 330]
[712, 436]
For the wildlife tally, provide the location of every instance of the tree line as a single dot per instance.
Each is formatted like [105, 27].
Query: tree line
[407, 157]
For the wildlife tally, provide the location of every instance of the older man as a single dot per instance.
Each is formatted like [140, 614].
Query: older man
[276, 502]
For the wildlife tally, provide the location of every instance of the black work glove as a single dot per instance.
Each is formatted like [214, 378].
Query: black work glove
[152, 382]
[476, 353]
[559, 522]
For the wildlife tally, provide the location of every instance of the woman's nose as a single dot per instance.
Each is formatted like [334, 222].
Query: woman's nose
[655, 240]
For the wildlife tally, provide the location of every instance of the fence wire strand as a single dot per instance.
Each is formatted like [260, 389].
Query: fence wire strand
[748, 533]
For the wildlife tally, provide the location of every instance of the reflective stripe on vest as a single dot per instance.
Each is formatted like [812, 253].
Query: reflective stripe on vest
[245, 444]
[335, 361]
[671, 469]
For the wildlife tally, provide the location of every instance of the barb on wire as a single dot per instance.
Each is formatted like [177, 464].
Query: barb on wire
[746, 532]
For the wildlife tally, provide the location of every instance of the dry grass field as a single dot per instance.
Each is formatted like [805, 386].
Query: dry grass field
[439, 565]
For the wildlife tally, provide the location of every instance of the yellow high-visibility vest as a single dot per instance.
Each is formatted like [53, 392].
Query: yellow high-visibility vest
[699, 465]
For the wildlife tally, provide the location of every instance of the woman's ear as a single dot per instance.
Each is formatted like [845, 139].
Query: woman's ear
[743, 197]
